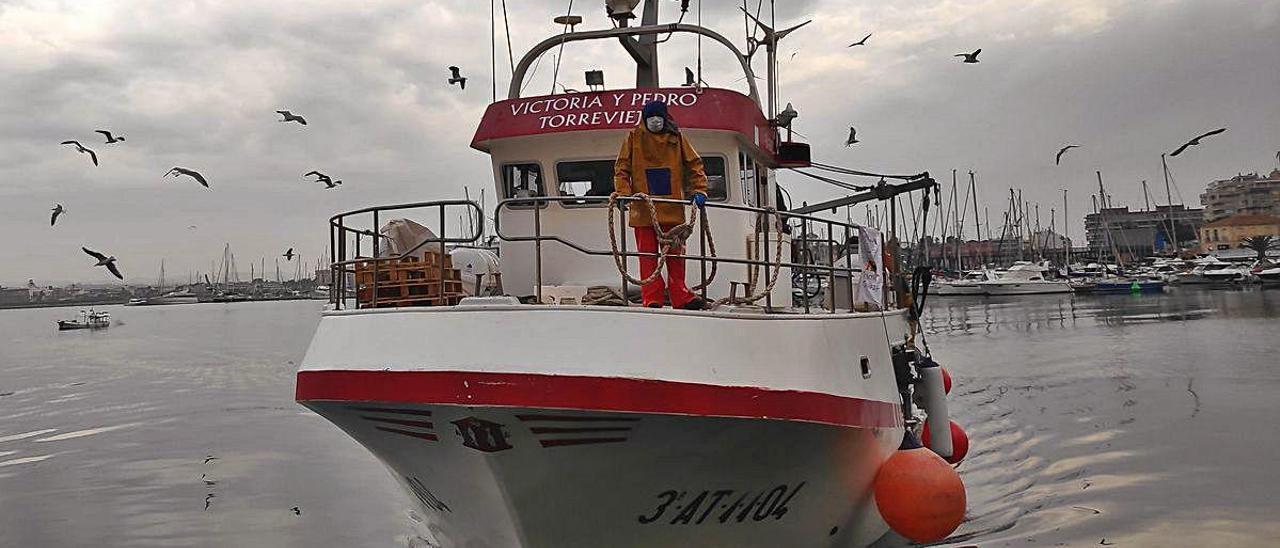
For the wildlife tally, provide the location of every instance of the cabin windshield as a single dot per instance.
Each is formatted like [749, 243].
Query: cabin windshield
[522, 180]
[592, 180]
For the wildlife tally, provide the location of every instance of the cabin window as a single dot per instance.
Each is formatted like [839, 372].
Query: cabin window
[522, 180]
[585, 178]
[714, 167]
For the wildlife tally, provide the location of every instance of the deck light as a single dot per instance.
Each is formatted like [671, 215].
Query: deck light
[595, 78]
[621, 10]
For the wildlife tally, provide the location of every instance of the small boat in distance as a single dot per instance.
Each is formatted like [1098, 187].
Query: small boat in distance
[87, 319]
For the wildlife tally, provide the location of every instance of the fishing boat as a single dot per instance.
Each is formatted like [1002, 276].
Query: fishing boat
[535, 419]
[1024, 278]
[87, 319]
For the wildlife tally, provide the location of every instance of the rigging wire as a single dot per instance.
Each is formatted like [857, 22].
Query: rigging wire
[835, 182]
[848, 171]
[511, 56]
[564, 31]
[493, 51]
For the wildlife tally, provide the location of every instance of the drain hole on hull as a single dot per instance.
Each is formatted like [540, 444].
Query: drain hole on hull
[833, 531]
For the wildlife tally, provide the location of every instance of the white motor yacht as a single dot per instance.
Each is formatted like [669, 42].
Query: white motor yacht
[1024, 278]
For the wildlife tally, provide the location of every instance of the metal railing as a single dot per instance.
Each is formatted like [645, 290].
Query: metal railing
[766, 224]
[343, 258]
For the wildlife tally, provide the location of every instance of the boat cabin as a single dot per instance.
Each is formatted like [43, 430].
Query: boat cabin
[564, 147]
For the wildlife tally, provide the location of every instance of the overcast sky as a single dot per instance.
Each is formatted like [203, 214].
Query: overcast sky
[195, 84]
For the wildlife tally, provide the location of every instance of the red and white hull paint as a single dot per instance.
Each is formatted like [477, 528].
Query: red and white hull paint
[591, 426]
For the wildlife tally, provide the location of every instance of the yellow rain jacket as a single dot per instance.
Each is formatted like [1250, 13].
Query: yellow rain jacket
[658, 164]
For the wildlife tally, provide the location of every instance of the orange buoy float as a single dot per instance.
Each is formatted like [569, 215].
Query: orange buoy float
[919, 495]
[959, 442]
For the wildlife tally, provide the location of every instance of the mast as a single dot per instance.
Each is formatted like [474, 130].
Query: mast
[977, 228]
[1066, 230]
[1173, 230]
[1115, 252]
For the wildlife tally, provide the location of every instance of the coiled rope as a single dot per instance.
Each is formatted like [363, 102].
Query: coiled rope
[678, 235]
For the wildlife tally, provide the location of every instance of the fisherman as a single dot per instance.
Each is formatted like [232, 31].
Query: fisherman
[657, 160]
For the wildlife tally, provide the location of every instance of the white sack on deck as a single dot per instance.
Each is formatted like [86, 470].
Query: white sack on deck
[471, 261]
[401, 235]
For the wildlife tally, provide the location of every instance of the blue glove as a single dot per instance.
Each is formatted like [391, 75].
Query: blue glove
[700, 199]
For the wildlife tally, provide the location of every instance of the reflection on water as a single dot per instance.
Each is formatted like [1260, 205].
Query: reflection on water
[1132, 420]
[1141, 420]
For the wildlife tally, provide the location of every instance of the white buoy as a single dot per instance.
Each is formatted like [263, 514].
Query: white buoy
[933, 395]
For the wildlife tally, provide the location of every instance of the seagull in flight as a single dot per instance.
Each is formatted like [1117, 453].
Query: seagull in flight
[57, 210]
[970, 58]
[861, 42]
[853, 137]
[296, 511]
[1196, 141]
[92, 156]
[190, 173]
[1057, 160]
[103, 260]
[110, 138]
[291, 117]
[320, 177]
[456, 77]
[288, 255]
[332, 184]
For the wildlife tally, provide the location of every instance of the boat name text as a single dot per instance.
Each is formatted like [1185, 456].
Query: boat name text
[611, 109]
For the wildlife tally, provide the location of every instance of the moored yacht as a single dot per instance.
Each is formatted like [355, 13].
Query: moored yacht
[534, 418]
[1024, 278]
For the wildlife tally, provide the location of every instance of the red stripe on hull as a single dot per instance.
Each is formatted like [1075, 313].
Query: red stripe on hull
[593, 394]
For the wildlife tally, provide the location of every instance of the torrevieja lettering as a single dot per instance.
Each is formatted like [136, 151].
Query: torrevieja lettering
[609, 109]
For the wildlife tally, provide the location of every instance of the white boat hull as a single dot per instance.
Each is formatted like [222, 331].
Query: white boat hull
[1025, 288]
[590, 426]
[954, 289]
[560, 478]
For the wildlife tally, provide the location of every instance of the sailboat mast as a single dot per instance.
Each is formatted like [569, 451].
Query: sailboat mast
[977, 227]
[1168, 194]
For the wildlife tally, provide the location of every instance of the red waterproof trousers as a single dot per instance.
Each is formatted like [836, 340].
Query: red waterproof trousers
[652, 292]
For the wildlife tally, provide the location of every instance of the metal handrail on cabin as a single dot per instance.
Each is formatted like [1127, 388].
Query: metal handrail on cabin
[764, 225]
[340, 265]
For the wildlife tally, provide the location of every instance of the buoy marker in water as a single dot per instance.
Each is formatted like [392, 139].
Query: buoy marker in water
[919, 495]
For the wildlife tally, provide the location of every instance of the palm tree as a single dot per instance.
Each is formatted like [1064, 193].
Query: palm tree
[1260, 244]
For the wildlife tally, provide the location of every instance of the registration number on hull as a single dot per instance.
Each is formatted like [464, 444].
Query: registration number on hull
[720, 506]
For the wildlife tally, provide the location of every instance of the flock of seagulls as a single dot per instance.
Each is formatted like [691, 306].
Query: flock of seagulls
[968, 59]
[110, 261]
[1057, 160]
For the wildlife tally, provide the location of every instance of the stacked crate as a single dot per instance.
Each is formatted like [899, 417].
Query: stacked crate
[409, 281]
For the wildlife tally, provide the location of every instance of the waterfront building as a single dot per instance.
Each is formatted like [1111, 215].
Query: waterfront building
[1137, 234]
[1225, 234]
[1250, 194]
